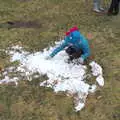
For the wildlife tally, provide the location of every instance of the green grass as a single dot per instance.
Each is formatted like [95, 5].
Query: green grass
[28, 101]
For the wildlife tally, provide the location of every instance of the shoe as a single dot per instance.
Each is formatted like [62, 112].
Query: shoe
[97, 10]
[115, 13]
[101, 9]
[96, 7]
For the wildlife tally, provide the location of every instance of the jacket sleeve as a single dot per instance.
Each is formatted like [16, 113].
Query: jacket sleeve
[59, 48]
[86, 50]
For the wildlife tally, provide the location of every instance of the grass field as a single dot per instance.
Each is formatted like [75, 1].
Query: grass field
[36, 24]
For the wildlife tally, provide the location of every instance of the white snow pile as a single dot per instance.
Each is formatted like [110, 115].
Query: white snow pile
[69, 78]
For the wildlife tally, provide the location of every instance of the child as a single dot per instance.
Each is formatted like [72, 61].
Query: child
[97, 6]
[76, 46]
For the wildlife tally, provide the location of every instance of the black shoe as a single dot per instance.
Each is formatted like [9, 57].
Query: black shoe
[115, 13]
[112, 13]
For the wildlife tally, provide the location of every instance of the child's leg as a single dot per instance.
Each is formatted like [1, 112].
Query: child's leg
[77, 54]
[70, 51]
[73, 54]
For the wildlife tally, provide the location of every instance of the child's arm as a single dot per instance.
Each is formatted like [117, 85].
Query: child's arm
[86, 50]
[59, 48]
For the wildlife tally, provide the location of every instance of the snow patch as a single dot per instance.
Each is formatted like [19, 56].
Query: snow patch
[69, 78]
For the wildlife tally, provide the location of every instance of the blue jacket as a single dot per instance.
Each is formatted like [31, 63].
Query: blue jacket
[76, 40]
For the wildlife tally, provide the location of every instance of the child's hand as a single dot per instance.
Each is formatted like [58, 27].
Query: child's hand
[89, 36]
[81, 60]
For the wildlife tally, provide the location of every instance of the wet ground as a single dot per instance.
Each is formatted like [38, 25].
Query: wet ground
[20, 24]
[23, 0]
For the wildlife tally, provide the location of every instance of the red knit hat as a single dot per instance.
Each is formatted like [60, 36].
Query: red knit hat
[67, 33]
[74, 29]
[71, 30]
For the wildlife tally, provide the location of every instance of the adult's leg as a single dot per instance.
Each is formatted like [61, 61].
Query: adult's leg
[116, 7]
[96, 5]
[111, 8]
[99, 6]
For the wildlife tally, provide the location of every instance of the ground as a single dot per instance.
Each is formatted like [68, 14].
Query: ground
[36, 24]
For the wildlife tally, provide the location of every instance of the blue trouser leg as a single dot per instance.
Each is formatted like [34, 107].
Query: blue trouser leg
[96, 4]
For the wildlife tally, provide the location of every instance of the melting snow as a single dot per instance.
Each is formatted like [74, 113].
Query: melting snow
[61, 75]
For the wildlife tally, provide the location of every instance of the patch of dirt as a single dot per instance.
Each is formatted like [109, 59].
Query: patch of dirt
[19, 24]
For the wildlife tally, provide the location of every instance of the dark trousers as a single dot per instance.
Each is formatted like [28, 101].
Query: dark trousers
[114, 7]
[73, 53]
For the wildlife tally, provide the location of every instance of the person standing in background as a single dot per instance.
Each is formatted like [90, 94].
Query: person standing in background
[97, 6]
[114, 7]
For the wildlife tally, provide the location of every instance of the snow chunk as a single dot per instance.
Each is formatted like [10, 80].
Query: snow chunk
[8, 80]
[79, 106]
[100, 80]
[97, 71]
